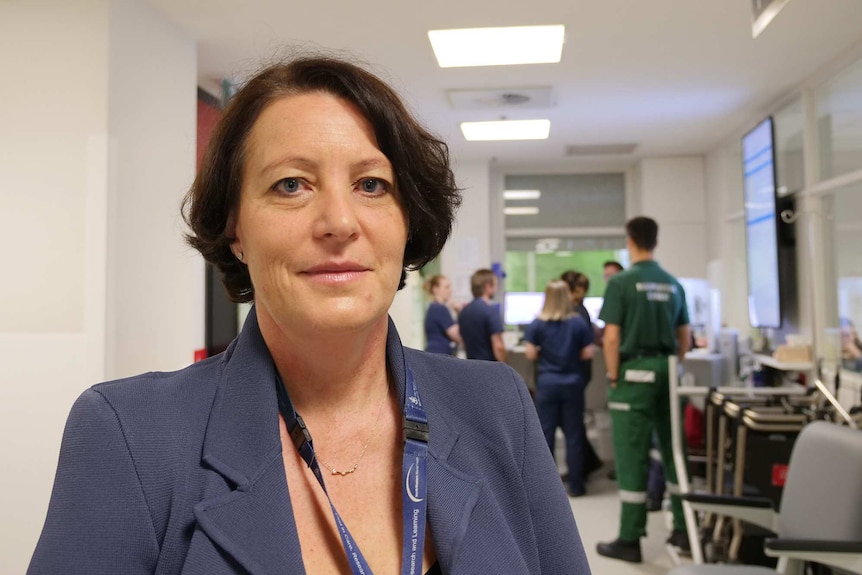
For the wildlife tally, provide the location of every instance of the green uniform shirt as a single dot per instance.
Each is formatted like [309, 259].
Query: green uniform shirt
[648, 304]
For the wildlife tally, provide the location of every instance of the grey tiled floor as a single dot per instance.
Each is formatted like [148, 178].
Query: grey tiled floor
[597, 514]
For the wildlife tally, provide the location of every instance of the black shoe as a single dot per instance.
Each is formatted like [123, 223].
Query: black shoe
[653, 504]
[592, 467]
[625, 550]
[679, 539]
[575, 492]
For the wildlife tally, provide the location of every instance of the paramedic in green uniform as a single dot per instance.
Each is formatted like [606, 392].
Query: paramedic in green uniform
[645, 322]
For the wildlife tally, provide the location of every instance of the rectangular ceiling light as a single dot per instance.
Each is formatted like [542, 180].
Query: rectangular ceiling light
[506, 130]
[521, 211]
[497, 46]
[522, 194]
[763, 12]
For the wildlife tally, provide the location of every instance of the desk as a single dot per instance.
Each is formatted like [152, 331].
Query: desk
[597, 417]
[596, 392]
[525, 368]
[708, 369]
[770, 361]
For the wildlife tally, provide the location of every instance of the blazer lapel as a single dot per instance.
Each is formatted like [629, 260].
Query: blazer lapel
[250, 517]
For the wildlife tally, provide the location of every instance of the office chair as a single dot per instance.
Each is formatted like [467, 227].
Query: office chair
[821, 507]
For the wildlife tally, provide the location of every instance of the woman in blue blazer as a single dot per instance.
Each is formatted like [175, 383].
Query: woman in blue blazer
[316, 443]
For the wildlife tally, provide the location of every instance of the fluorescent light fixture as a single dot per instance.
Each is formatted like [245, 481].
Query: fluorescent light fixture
[521, 211]
[522, 194]
[506, 130]
[497, 46]
[762, 14]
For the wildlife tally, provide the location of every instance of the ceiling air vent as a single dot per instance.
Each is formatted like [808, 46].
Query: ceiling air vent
[600, 149]
[503, 98]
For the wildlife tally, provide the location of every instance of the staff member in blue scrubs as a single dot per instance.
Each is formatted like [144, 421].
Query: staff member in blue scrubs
[316, 443]
[561, 340]
[480, 321]
[579, 286]
[441, 329]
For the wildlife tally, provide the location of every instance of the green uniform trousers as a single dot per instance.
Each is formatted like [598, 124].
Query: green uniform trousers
[639, 405]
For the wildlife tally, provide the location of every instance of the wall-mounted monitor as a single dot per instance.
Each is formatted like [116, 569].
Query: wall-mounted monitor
[594, 306]
[761, 226]
[521, 308]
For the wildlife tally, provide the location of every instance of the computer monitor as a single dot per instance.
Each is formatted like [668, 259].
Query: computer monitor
[594, 306]
[761, 227]
[521, 308]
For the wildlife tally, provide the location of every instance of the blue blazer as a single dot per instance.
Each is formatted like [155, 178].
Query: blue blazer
[182, 473]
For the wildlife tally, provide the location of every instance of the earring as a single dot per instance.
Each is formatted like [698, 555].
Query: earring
[239, 256]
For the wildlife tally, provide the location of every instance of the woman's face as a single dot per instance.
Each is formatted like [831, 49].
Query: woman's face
[578, 294]
[443, 290]
[319, 224]
[848, 336]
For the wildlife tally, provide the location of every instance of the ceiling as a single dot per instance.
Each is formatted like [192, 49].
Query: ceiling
[675, 77]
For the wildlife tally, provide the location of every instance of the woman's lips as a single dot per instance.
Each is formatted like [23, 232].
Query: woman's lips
[336, 273]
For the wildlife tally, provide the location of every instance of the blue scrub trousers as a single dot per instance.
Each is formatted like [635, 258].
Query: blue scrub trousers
[562, 405]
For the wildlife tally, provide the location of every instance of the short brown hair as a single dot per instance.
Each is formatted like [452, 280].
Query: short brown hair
[613, 264]
[423, 177]
[479, 280]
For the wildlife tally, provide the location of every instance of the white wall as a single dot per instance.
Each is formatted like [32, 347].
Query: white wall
[155, 305]
[408, 312]
[672, 193]
[52, 195]
[83, 131]
[469, 248]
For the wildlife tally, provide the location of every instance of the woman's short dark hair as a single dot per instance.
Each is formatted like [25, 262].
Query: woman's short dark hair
[576, 280]
[424, 180]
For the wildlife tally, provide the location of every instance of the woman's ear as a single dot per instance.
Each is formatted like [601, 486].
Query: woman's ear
[236, 248]
[230, 231]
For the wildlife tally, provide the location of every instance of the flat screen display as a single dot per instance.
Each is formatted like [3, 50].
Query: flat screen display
[594, 306]
[761, 227]
[521, 307]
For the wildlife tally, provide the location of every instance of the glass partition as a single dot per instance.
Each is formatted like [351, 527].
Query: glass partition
[839, 123]
[843, 228]
[789, 163]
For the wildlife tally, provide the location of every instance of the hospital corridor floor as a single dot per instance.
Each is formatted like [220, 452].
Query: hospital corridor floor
[597, 514]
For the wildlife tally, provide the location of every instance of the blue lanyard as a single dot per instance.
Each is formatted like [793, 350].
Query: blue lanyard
[413, 475]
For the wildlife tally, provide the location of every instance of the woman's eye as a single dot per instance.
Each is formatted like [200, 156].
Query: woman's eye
[288, 185]
[373, 186]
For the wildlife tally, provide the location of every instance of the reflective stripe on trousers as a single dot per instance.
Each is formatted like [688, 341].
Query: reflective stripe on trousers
[632, 496]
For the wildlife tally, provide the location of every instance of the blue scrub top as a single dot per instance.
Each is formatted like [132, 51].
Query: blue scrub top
[478, 321]
[437, 320]
[561, 343]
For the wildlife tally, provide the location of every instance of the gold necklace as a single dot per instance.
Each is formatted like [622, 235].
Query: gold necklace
[332, 470]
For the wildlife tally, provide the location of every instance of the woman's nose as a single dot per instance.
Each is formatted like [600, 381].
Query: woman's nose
[336, 216]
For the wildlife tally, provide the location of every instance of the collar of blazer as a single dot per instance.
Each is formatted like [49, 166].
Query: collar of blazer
[250, 516]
